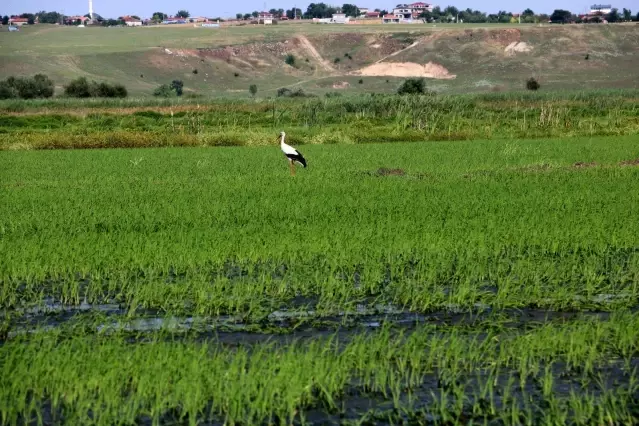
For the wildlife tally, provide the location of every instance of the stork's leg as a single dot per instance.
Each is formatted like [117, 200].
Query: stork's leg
[292, 167]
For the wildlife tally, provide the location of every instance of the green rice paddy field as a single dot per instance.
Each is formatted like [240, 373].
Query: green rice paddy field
[488, 280]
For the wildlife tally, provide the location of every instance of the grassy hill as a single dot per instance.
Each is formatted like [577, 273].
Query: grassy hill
[459, 58]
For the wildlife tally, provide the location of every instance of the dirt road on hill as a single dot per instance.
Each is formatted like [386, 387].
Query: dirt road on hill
[314, 53]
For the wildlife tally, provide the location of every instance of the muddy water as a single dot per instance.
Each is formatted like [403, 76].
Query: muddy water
[112, 317]
[357, 403]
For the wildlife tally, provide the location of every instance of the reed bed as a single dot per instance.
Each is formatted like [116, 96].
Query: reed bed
[358, 119]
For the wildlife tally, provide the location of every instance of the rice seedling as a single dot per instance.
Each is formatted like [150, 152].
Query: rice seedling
[460, 281]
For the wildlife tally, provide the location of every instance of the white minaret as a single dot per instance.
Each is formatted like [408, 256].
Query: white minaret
[91, 10]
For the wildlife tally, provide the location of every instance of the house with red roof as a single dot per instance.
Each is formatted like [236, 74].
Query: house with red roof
[18, 21]
[130, 21]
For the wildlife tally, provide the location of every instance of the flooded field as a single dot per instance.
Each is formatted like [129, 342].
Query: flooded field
[485, 282]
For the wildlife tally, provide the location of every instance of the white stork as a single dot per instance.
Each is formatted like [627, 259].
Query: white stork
[293, 155]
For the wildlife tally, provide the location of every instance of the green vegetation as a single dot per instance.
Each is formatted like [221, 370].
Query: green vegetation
[314, 120]
[38, 86]
[82, 88]
[176, 88]
[500, 277]
[290, 60]
[412, 86]
[532, 84]
[384, 377]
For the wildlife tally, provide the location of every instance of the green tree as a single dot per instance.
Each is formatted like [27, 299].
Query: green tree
[182, 14]
[532, 84]
[48, 17]
[238, 16]
[7, 90]
[247, 16]
[38, 86]
[350, 10]
[613, 16]
[426, 15]
[627, 15]
[412, 86]
[177, 86]
[319, 10]
[255, 14]
[30, 21]
[163, 91]
[253, 90]
[292, 13]
[158, 16]
[560, 16]
[5, 20]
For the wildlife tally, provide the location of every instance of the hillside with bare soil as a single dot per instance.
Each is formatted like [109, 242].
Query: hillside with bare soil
[318, 59]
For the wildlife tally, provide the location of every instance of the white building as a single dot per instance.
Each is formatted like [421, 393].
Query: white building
[604, 9]
[340, 18]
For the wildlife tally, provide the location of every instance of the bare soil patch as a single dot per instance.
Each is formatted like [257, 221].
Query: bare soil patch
[407, 69]
[505, 37]
[634, 162]
[583, 165]
[341, 85]
[384, 171]
[517, 47]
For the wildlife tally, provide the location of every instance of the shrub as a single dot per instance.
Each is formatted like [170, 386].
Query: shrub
[283, 92]
[336, 60]
[195, 71]
[164, 91]
[412, 86]
[253, 89]
[361, 81]
[78, 88]
[7, 91]
[290, 60]
[288, 93]
[82, 88]
[178, 86]
[38, 86]
[532, 84]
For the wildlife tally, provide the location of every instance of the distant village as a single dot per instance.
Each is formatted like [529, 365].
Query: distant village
[323, 14]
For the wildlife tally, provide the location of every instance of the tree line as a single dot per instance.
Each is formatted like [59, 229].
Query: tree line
[446, 14]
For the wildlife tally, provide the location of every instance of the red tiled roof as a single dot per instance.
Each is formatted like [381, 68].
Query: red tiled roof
[18, 19]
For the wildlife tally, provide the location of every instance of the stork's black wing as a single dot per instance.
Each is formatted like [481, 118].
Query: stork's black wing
[298, 158]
